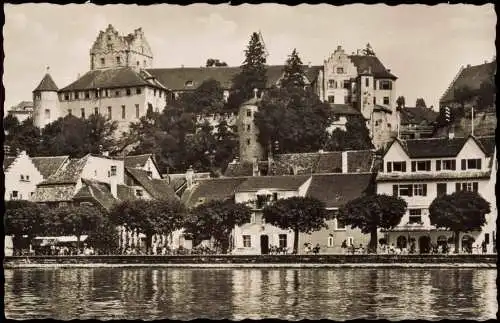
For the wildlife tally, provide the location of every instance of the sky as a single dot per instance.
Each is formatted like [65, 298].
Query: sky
[423, 45]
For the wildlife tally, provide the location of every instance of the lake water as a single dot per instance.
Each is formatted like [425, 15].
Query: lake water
[289, 294]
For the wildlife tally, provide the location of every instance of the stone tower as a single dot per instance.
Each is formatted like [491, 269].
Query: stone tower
[250, 148]
[111, 50]
[45, 102]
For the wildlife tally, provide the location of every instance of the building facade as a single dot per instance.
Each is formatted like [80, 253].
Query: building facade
[420, 170]
[22, 111]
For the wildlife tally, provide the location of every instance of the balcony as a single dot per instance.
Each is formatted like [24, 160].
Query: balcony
[433, 175]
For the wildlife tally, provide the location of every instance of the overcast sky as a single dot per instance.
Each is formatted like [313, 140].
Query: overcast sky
[423, 45]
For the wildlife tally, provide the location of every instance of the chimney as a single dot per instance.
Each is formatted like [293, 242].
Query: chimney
[78, 76]
[451, 132]
[190, 177]
[309, 64]
[344, 162]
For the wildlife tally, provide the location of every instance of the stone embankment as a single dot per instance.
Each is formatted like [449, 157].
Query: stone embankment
[255, 261]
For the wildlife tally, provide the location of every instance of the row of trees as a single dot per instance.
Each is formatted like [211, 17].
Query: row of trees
[461, 211]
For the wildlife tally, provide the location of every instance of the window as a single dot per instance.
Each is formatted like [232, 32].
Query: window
[339, 224]
[396, 167]
[330, 241]
[103, 61]
[375, 84]
[248, 127]
[248, 142]
[367, 82]
[282, 239]
[385, 85]
[347, 99]
[261, 201]
[247, 241]
[154, 92]
[441, 189]
[448, 164]
[420, 189]
[110, 46]
[127, 91]
[138, 90]
[468, 186]
[47, 114]
[117, 93]
[159, 93]
[14, 194]
[331, 99]
[340, 70]
[106, 93]
[347, 84]
[374, 100]
[421, 166]
[137, 63]
[144, 62]
[331, 84]
[275, 196]
[110, 110]
[82, 113]
[138, 193]
[96, 93]
[70, 112]
[253, 218]
[66, 96]
[96, 110]
[22, 177]
[402, 190]
[386, 100]
[118, 60]
[123, 112]
[415, 216]
[76, 95]
[249, 113]
[87, 95]
[189, 83]
[137, 111]
[113, 171]
[27, 178]
[471, 164]
[487, 238]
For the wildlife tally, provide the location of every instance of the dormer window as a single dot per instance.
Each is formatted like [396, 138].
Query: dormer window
[189, 83]
[112, 171]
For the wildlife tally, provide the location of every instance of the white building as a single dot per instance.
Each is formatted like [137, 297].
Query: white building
[419, 170]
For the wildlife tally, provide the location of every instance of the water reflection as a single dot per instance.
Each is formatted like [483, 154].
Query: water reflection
[288, 294]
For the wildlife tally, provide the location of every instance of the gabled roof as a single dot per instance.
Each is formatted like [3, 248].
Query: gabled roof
[337, 189]
[137, 161]
[283, 183]
[47, 84]
[97, 191]
[110, 78]
[69, 173]
[417, 116]
[214, 189]
[471, 77]
[365, 63]
[177, 79]
[54, 193]
[7, 161]
[344, 109]
[488, 144]
[48, 165]
[158, 188]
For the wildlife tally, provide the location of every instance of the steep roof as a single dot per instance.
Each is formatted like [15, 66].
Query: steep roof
[337, 189]
[329, 162]
[177, 78]
[214, 189]
[111, 78]
[48, 165]
[158, 188]
[137, 160]
[284, 183]
[47, 84]
[69, 173]
[359, 161]
[434, 147]
[125, 193]
[54, 193]
[365, 63]
[7, 161]
[488, 143]
[472, 77]
[97, 191]
[417, 115]
[344, 109]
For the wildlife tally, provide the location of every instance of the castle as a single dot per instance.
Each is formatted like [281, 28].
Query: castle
[123, 85]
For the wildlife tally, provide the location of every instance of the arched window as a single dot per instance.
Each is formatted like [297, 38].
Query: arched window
[330, 241]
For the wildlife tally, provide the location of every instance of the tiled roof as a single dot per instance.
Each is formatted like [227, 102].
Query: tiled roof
[284, 183]
[47, 84]
[329, 162]
[434, 147]
[242, 168]
[126, 193]
[211, 189]
[109, 78]
[471, 77]
[97, 191]
[337, 189]
[344, 109]
[360, 161]
[488, 143]
[177, 78]
[158, 188]
[69, 172]
[54, 193]
[48, 165]
[418, 116]
[23, 106]
[137, 161]
[7, 161]
[364, 63]
[298, 163]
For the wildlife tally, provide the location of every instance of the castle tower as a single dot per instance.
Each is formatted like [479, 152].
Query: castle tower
[112, 50]
[250, 148]
[45, 102]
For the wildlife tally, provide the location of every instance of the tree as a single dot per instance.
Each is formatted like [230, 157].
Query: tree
[214, 62]
[21, 136]
[216, 219]
[293, 72]
[149, 217]
[461, 211]
[370, 212]
[208, 98]
[486, 94]
[420, 103]
[23, 218]
[368, 51]
[400, 101]
[295, 118]
[253, 73]
[300, 214]
[75, 220]
[105, 237]
[355, 137]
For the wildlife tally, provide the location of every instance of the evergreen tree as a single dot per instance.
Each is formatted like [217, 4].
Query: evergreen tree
[294, 71]
[420, 103]
[400, 101]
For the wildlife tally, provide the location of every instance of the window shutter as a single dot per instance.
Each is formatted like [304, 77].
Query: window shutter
[424, 186]
[438, 165]
[382, 166]
[479, 163]
[464, 164]
[413, 166]
[389, 167]
[404, 166]
[428, 165]
[410, 191]
[453, 164]
[394, 190]
[457, 187]
[475, 186]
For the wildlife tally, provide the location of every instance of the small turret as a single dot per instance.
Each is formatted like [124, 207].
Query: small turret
[45, 102]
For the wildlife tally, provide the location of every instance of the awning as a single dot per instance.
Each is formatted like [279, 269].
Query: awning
[48, 241]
